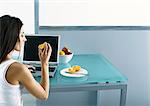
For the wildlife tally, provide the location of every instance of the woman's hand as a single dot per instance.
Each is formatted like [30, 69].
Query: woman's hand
[45, 53]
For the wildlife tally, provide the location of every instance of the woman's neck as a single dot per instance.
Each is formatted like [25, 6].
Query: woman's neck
[9, 56]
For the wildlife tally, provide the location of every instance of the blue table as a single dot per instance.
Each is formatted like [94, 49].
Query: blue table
[102, 76]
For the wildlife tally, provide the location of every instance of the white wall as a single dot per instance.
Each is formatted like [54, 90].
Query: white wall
[23, 9]
[94, 12]
[128, 50]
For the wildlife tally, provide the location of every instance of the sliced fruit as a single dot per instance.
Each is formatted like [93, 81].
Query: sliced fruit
[71, 70]
[76, 68]
[41, 46]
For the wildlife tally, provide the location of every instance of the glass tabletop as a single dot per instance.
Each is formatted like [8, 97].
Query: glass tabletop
[100, 70]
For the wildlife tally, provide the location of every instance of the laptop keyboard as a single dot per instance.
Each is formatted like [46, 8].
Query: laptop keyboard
[51, 69]
[37, 72]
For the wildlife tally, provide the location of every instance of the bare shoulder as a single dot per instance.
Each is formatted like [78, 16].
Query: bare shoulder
[18, 67]
[18, 70]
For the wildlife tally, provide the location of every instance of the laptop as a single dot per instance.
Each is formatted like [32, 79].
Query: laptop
[31, 52]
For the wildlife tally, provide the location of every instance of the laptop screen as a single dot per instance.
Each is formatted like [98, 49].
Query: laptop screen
[31, 47]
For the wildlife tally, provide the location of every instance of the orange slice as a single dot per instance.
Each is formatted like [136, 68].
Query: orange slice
[41, 46]
[76, 68]
[71, 70]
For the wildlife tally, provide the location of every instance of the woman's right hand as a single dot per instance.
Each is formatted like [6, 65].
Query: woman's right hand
[45, 53]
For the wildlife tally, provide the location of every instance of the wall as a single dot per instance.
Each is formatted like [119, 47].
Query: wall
[128, 50]
[94, 12]
[23, 9]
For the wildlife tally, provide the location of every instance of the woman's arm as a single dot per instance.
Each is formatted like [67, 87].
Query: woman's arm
[41, 90]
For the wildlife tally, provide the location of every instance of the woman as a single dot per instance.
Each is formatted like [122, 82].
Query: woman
[13, 74]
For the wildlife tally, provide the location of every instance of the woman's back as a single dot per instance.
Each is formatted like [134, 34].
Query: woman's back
[12, 38]
[10, 95]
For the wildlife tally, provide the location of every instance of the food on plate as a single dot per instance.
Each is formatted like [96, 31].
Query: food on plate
[74, 69]
[41, 46]
[71, 70]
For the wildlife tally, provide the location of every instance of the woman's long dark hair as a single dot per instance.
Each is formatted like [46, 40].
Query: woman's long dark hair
[9, 33]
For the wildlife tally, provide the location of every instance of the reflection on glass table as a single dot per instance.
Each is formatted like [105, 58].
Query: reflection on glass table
[102, 75]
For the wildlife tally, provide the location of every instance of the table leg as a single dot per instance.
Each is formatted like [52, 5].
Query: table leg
[123, 96]
[98, 98]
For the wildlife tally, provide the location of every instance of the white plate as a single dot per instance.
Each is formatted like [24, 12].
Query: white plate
[81, 73]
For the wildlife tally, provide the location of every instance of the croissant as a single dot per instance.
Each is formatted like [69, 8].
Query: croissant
[41, 46]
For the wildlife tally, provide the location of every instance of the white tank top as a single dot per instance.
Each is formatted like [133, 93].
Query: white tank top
[10, 95]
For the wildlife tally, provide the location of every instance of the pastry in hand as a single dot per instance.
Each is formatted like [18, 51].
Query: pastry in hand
[41, 46]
